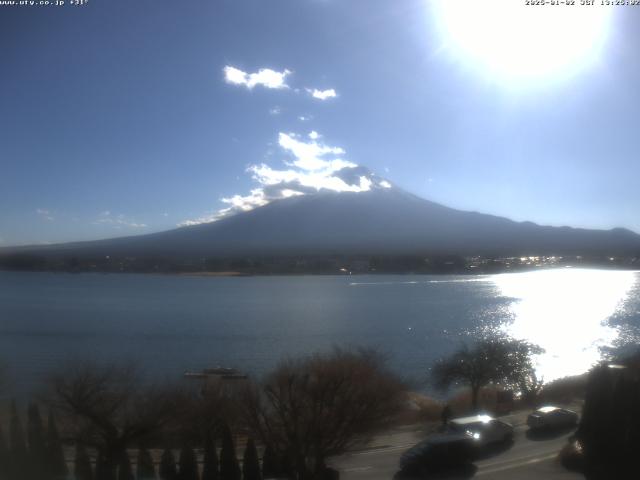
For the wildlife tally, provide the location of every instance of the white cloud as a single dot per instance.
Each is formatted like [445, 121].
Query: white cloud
[322, 94]
[309, 155]
[117, 221]
[384, 184]
[265, 77]
[46, 214]
[312, 166]
[275, 111]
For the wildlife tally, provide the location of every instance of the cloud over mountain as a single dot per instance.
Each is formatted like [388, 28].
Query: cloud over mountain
[310, 167]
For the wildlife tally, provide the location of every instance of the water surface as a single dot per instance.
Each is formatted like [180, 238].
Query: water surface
[169, 324]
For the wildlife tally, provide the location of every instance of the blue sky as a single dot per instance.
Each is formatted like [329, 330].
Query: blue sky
[119, 117]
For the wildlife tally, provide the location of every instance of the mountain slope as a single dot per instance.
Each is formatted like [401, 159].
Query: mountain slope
[379, 221]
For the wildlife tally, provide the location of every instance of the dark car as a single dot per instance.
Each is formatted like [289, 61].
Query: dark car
[550, 417]
[439, 452]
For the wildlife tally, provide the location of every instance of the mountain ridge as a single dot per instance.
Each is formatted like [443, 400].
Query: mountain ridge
[381, 220]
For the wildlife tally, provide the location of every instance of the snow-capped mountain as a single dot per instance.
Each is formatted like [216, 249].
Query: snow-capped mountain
[375, 218]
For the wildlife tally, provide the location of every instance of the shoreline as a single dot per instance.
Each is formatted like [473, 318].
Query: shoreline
[231, 273]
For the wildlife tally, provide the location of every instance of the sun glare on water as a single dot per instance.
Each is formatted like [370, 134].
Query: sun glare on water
[565, 312]
[512, 41]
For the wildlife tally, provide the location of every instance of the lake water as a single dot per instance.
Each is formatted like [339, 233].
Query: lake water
[169, 324]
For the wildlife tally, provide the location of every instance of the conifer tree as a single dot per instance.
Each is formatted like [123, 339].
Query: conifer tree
[4, 456]
[251, 463]
[125, 472]
[82, 464]
[18, 448]
[168, 466]
[35, 437]
[285, 466]
[210, 469]
[56, 463]
[229, 468]
[269, 463]
[104, 471]
[188, 464]
[145, 469]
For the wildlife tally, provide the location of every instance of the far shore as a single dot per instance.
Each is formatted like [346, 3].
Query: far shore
[215, 274]
[342, 272]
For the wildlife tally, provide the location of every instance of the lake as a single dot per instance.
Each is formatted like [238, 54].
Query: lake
[169, 324]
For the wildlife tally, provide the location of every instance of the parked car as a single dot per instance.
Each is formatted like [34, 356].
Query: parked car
[551, 417]
[485, 429]
[439, 452]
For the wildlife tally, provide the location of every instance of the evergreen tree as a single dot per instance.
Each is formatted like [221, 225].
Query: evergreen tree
[145, 469]
[285, 466]
[188, 464]
[270, 463]
[56, 463]
[103, 469]
[36, 441]
[18, 449]
[210, 470]
[168, 466]
[4, 456]
[229, 468]
[82, 464]
[251, 463]
[609, 430]
[125, 472]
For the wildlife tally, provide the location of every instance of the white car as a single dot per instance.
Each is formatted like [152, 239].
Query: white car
[485, 429]
[551, 417]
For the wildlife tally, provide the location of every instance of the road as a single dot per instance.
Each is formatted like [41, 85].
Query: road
[527, 458]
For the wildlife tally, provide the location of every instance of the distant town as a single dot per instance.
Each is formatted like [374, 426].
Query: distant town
[307, 264]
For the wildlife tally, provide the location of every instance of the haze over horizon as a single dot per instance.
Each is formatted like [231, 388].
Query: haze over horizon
[131, 117]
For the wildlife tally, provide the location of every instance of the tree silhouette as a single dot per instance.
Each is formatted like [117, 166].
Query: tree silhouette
[4, 456]
[500, 360]
[36, 442]
[125, 472]
[145, 469]
[229, 468]
[18, 460]
[210, 469]
[111, 408]
[188, 464]
[322, 405]
[269, 463]
[104, 468]
[609, 430]
[82, 464]
[251, 463]
[56, 463]
[168, 469]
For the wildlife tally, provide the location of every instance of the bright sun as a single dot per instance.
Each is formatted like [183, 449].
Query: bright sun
[511, 40]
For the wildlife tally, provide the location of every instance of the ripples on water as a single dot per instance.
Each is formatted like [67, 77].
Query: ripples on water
[169, 324]
[566, 312]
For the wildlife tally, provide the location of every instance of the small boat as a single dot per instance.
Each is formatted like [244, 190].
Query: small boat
[221, 373]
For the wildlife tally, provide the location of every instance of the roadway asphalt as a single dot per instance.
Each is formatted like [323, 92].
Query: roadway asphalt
[527, 458]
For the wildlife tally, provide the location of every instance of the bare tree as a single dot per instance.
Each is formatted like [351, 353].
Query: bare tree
[110, 408]
[499, 360]
[205, 409]
[312, 408]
